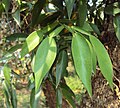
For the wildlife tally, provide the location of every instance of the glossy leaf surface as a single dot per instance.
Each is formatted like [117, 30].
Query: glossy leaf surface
[44, 59]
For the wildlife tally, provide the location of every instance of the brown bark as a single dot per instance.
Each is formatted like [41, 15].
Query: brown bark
[50, 95]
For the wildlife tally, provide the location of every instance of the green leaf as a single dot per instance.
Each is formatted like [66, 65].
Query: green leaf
[61, 66]
[7, 94]
[103, 60]
[6, 58]
[69, 6]
[87, 27]
[7, 72]
[59, 98]
[56, 31]
[95, 28]
[82, 11]
[34, 99]
[94, 58]
[13, 49]
[82, 60]
[1, 9]
[17, 36]
[37, 10]
[117, 26]
[31, 42]
[6, 5]
[113, 9]
[81, 30]
[16, 16]
[68, 94]
[13, 97]
[35, 38]
[44, 59]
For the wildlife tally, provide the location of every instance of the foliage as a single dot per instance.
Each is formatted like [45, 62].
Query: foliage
[49, 30]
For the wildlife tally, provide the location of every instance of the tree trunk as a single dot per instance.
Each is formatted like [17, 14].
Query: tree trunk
[50, 95]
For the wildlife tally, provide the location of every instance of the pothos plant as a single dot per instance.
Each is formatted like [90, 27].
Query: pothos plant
[59, 27]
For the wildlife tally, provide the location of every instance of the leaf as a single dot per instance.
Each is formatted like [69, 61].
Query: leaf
[7, 94]
[69, 6]
[7, 72]
[103, 60]
[117, 26]
[58, 3]
[37, 10]
[82, 60]
[82, 11]
[94, 58]
[68, 94]
[1, 9]
[6, 5]
[95, 28]
[13, 49]
[6, 58]
[44, 59]
[13, 97]
[16, 16]
[61, 66]
[59, 98]
[31, 42]
[87, 27]
[34, 39]
[56, 31]
[80, 30]
[34, 98]
[17, 36]
[113, 9]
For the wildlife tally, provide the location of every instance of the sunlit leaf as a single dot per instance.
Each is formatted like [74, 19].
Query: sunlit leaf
[117, 26]
[56, 31]
[69, 6]
[103, 60]
[82, 60]
[44, 59]
[7, 72]
[35, 38]
[31, 42]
